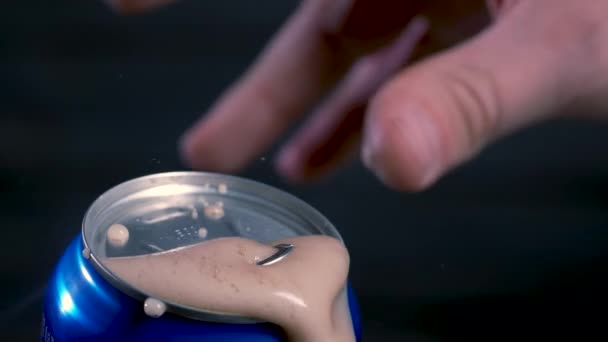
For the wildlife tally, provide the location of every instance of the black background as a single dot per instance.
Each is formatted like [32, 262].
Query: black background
[510, 247]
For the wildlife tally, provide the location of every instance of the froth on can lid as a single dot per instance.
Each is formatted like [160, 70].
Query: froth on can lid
[158, 211]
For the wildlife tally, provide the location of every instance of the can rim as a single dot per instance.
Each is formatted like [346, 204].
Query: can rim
[263, 191]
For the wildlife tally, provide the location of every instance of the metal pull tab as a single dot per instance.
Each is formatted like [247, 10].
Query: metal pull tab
[283, 249]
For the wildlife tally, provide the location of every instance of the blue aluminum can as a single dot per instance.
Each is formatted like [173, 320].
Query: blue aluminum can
[86, 302]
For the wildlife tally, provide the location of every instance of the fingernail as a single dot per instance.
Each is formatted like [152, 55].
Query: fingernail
[408, 136]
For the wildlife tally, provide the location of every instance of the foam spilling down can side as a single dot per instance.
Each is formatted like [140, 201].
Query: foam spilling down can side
[190, 256]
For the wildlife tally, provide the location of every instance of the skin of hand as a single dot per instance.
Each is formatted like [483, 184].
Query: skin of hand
[345, 62]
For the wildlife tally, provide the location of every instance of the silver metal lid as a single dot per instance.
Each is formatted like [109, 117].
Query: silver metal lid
[168, 210]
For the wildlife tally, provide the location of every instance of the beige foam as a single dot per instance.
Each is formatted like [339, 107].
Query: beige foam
[304, 293]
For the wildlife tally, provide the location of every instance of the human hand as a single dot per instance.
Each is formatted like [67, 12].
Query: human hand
[417, 123]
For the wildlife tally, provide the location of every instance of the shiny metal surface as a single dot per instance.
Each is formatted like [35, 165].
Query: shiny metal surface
[283, 250]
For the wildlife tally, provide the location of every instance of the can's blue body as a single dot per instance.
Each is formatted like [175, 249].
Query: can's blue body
[80, 305]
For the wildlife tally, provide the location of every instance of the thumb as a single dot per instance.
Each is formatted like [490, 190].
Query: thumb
[437, 114]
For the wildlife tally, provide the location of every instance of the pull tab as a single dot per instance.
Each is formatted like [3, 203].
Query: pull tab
[283, 249]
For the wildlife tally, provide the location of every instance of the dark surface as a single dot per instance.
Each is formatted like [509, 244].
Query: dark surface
[510, 247]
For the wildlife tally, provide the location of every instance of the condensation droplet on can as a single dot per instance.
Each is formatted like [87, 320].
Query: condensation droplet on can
[154, 307]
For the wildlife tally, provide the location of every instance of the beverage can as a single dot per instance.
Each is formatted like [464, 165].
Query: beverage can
[85, 301]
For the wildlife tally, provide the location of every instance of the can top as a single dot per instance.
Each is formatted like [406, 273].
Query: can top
[165, 211]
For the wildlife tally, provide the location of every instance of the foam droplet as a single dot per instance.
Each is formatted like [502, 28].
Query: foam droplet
[154, 307]
[222, 188]
[214, 212]
[117, 235]
[86, 253]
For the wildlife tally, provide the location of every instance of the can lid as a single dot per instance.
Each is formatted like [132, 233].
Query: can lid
[165, 211]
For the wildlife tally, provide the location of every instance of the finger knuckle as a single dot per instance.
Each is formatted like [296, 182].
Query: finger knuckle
[475, 98]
